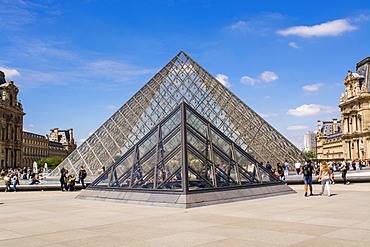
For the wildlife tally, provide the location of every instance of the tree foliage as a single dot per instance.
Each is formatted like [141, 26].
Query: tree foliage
[310, 154]
[52, 162]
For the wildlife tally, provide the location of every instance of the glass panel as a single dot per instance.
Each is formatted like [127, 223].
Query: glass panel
[241, 159]
[248, 174]
[224, 169]
[199, 173]
[116, 175]
[169, 174]
[232, 173]
[197, 143]
[171, 144]
[148, 144]
[267, 177]
[220, 142]
[84, 149]
[142, 176]
[170, 124]
[247, 168]
[103, 180]
[196, 123]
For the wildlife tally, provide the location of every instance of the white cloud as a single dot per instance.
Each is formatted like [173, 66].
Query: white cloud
[330, 28]
[267, 97]
[240, 25]
[9, 73]
[111, 107]
[297, 127]
[16, 13]
[267, 115]
[269, 76]
[313, 87]
[362, 17]
[312, 110]
[79, 141]
[223, 79]
[259, 25]
[265, 76]
[293, 44]
[248, 80]
[31, 125]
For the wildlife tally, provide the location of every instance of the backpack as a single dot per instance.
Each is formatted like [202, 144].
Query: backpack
[307, 170]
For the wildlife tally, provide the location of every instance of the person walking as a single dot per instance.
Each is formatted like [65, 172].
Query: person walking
[358, 164]
[82, 174]
[286, 168]
[297, 167]
[344, 169]
[7, 181]
[307, 171]
[15, 181]
[325, 177]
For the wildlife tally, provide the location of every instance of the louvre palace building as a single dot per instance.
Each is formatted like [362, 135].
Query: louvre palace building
[349, 137]
[20, 148]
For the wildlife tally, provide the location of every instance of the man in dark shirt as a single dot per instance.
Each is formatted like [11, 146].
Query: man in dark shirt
[269, 166]
[307, 171]
[82, 175]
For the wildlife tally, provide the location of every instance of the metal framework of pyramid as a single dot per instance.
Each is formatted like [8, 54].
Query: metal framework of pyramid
[185, 161]
[181, 80]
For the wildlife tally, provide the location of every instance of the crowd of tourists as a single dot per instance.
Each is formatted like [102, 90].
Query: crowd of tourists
[12, 176]
[323, 171]
[280, 171]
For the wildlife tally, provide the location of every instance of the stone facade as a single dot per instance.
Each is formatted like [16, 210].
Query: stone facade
[61, 138]
[350, 137]
[329, 142]
[35, 147]
[355, 111]
[11, 119]
[19, 148]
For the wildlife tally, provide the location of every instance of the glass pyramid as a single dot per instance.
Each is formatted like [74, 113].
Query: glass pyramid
[184, 152]
[181, 80]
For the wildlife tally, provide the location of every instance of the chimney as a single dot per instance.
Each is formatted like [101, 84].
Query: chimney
[335, 126]
[318, 126]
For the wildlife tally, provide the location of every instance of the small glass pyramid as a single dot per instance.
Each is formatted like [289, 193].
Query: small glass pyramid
[184, 152]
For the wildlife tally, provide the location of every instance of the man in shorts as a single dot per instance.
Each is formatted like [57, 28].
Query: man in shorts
[307, 171]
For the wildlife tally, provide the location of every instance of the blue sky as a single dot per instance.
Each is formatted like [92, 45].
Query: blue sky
[77, 62]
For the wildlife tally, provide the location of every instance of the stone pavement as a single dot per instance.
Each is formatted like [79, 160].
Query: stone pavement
[54, 218]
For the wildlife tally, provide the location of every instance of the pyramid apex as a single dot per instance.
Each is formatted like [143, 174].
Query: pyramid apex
[182, 53]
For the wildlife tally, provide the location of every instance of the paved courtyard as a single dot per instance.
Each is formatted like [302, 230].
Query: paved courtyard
[54, 218]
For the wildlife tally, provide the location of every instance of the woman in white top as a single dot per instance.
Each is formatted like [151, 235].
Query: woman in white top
[297, 167]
